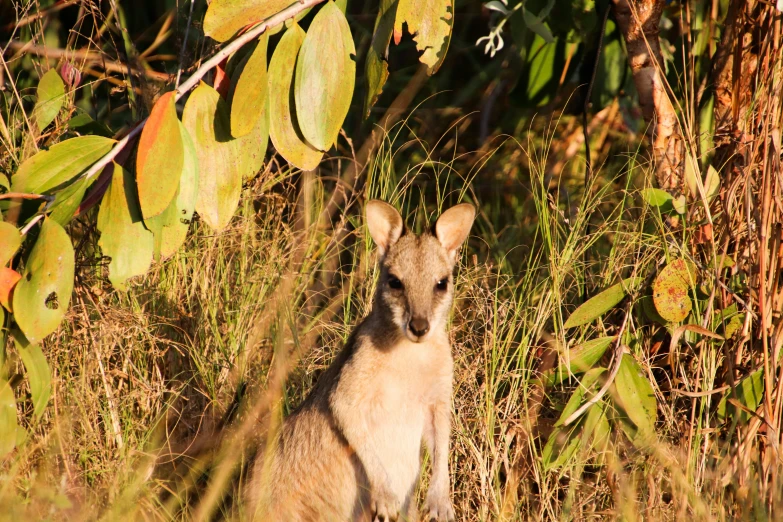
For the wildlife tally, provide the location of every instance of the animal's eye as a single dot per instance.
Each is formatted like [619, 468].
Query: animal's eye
[395, 283]
[442, 285]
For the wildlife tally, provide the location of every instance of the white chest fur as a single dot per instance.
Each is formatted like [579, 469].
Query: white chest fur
[398, 409]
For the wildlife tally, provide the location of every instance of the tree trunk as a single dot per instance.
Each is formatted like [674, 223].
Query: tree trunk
[638, 22]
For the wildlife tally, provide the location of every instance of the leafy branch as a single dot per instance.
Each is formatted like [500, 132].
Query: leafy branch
[286, 14]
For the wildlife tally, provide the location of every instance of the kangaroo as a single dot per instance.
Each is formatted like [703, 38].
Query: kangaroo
[352, 450]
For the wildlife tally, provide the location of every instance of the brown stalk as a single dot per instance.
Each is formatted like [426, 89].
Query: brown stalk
[86, 57]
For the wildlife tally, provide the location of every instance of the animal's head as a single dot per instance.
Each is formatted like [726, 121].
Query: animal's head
[417, 285]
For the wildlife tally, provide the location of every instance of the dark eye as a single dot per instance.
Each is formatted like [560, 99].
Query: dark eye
[442, 285]
[395, 283]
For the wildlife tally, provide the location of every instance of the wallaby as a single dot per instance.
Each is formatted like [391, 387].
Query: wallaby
[352, 450]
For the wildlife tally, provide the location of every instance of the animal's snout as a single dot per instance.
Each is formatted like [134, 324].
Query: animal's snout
[419, 326]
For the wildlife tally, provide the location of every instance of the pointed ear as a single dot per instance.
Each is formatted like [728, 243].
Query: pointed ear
[453, 226]
[384, 224]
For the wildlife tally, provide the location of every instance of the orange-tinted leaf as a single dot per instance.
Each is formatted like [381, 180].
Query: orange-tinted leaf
[159, 158]
[171, 227]
[670, 290]
[222, 81]
[283, 127]
[8, 280]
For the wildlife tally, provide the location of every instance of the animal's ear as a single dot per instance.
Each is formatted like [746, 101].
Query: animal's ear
[453, 226]
[384, 223]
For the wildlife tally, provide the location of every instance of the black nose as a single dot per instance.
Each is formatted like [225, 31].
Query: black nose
[419, 326]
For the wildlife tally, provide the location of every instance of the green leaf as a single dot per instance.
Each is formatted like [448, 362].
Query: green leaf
[283, 127]
[692, 175]
[376, 66]
[38, 374]
[589, 379]
[564, 441]
[8, 424]
[596, 429]
[67, 200]
[251, 147]
[325, 75]
[430, 23]
[656, 197]
[159, 158]
[634, 395]
[206, 119]
[171, 227]
[57, 166]
[596, 306]
[83, 123]
[123, 236]
[749, 392]
[612, 68]
[535, 24]
[50, 98]
[542, 71]
[670, 290]
[249, 100]
[712, 183]
[731, 320]
[580, 359]
[43, 294]
[680, 204]
[225, 18]
[707, 126]
[10, 241]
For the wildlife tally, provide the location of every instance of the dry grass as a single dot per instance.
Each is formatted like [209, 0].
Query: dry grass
[162, 394]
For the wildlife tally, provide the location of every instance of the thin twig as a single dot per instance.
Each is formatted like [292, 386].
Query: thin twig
[31, 224]
[191, 82]
[97, 58]
[705, 393]
[22, 195]
[42, 13]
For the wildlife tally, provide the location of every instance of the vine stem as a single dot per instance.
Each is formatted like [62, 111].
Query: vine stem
[287, 13]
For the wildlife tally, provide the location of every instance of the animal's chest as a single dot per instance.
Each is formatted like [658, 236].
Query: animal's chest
[398, 412]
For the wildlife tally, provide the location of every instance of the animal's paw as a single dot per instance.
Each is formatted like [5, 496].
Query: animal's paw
[385, 506]
[439, 508]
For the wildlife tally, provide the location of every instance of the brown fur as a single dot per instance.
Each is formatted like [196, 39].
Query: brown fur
[352, 450]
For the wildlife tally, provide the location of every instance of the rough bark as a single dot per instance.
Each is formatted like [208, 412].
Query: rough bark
[638, 22]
